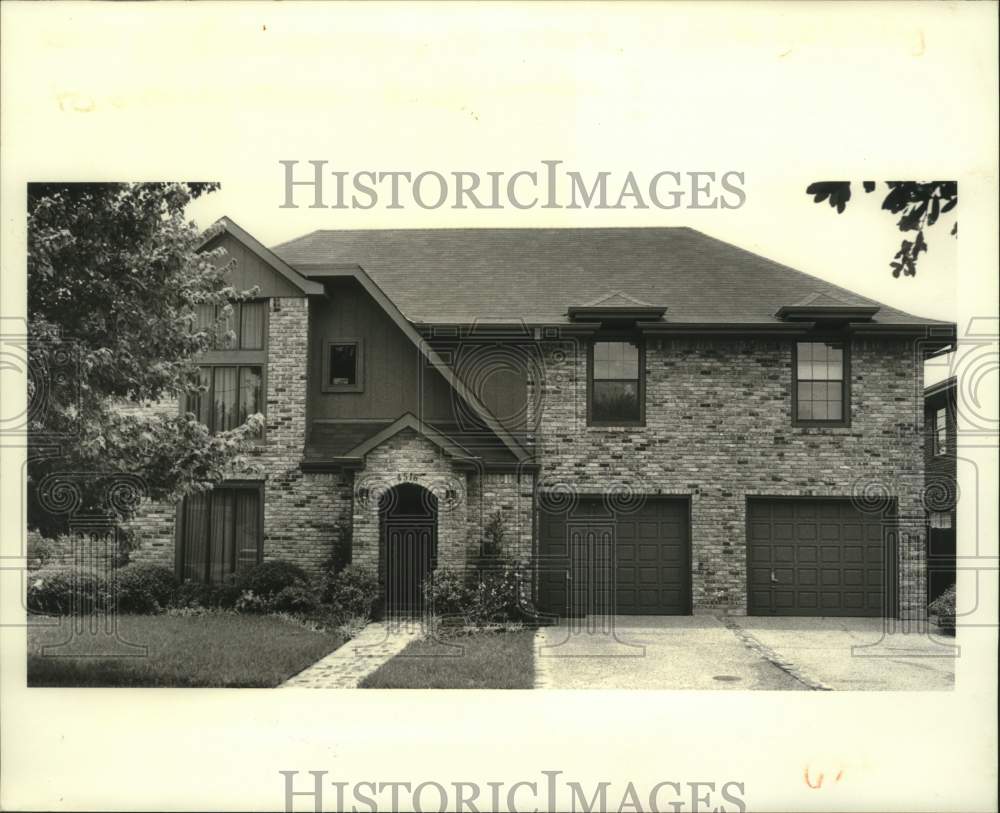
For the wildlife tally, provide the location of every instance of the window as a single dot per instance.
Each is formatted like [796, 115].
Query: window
[940, 520]
[616, 396]
[232, 377]
[246, 321]
[220, 533]
[232, 393]
[821, 383]
[941, 431]
[344, 365]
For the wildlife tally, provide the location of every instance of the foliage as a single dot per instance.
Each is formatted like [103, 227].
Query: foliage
[494, 535]
[196, 595]
[944, 605]
[351, 592]
[501, 594]
[144, 588]
[448, 593]
[296, 599]
[489, 594]
[269, 578]
[61, 591]
[40, 551]
[114, 280]
[918, 204]
[341, 555]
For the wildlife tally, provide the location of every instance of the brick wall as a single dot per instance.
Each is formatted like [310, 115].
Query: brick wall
[301, 510]
[410, 458]
[718, 428]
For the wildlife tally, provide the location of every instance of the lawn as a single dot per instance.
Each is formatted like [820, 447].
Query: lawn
[484, 660]
[209, 650]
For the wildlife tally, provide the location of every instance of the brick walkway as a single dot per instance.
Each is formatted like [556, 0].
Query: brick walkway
[344, 668]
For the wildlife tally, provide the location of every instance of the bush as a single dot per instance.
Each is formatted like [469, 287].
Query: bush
[296, 599]
[144, 588]
[62, 591]
[501, 595]
[351, 592]
[944, 605]
[40, 551]
[195, 595]
[269, 578]
[447, 593]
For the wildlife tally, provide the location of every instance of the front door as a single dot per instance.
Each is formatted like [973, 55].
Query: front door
[409, 539]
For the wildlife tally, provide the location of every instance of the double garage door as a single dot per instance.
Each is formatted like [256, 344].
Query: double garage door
[598, 560]
[819, 557]
[805, 557]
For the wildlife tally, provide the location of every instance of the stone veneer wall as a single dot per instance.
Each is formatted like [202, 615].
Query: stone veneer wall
[719, 428]
[301, 510]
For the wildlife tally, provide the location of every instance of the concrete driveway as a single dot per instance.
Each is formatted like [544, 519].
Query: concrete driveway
[706, 652]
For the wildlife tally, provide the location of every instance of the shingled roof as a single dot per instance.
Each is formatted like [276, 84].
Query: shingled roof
[463, 276]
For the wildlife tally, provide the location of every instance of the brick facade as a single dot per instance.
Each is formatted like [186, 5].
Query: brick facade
[302, 510]
[719, 429]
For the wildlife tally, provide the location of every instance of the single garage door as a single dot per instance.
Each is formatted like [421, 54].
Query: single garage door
[595, 560]
[819, 557]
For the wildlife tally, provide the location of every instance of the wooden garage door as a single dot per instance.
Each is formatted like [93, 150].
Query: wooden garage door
[818, 557]
[595, 560]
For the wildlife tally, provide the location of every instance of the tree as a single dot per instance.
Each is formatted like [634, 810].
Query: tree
[918, 204]
[115, 277]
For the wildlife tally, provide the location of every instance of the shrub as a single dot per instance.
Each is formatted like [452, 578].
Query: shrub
[195, 595]
[62, 591]
[251, 602]
[340, 556]
[269, 578]
[493, 536]
[501, 594]
[944, 605]
[296, 599]
[447, 593]
[40, 551]
[144, 588]
[351, 592]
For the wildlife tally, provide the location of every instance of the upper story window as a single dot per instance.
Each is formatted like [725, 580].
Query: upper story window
[616, 383]
[344, 369]
[246, 322]
[941, 431]
[820, 394]
[233, 372]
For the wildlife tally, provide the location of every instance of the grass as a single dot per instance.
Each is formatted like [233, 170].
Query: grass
[483, 660]
[208, 650]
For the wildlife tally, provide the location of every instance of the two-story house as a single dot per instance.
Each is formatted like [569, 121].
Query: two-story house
[668, 423]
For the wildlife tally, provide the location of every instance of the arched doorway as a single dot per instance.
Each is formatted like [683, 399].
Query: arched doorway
[408, 530]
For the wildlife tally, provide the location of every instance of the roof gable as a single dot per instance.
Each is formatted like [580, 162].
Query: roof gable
[291, 282]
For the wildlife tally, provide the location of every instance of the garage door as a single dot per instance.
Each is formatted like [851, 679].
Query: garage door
[818, 557]
[597, 560]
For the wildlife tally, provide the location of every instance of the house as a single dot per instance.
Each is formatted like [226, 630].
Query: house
[668, 424]
[941, 466]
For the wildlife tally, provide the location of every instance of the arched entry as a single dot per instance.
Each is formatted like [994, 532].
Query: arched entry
[408, 528]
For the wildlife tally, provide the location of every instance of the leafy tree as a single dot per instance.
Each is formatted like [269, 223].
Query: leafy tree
[918, 204]
[115, 276]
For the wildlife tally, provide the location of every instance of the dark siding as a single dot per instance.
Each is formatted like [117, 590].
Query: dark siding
[397, 379]
[250, 270]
